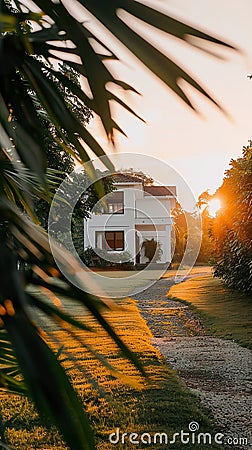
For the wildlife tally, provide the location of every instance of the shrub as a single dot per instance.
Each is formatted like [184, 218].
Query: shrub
[232, 230]
[96, 257]
[152, 250]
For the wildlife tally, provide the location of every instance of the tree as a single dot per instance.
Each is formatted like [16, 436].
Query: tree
[179, 232]
[186, 233]
[28, 41]
[138, 174]
[232, 229]
[206, 248]
[152, 250]
[80, 184]
[59, 161]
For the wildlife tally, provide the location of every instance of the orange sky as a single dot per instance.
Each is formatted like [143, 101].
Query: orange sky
[198, 146]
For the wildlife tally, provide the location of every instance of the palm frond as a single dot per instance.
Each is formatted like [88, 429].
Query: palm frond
[52, 37]
[11, 379]
[43, 374]
[29, 95]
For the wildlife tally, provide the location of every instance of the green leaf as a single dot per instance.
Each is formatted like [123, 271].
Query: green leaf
[23, 141]
[93, 304]
[61, 116]
[161, 65]
[48, 384]
[89, 102]
[168, 24]
[9, 368]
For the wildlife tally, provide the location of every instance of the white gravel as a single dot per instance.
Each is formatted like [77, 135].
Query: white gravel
[217, 370]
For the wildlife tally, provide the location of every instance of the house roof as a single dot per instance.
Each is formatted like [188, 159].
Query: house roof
[156, 191]
[126, 178]
[160, 191]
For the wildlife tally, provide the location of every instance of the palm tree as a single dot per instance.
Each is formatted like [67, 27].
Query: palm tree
[30, 34]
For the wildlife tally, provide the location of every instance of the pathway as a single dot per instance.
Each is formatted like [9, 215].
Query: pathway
[217, 370]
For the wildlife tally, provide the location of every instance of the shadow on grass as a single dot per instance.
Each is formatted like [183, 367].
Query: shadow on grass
[225, 313]
[162, 404]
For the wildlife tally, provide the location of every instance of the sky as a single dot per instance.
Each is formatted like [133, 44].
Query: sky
[198, 146]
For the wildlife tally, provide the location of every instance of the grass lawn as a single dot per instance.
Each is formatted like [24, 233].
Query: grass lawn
[225, 313]
[119, 283]
[123, 283]
[163, 404]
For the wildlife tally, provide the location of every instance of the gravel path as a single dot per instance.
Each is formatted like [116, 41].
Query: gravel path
[217, 370]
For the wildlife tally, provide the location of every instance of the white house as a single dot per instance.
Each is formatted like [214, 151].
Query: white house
[134, 212]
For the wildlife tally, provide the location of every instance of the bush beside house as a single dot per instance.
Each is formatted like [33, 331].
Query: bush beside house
[95, 257]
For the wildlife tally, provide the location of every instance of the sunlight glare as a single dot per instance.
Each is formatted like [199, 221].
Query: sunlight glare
[214, 206]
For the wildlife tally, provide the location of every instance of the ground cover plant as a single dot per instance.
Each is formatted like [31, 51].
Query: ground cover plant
[31, 34]
[163, 404]
[226, 313]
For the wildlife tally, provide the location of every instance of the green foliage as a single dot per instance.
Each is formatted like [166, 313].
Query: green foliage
[186, 228]
[125, 405]
[32, 91]
[19, 46]
[10, 378]
[206, 248]
[232, 230]
[59, 161]
[186, 222]
[95, 257]
[137, 174]
[179, 233]
[152, 250]
[77, 186]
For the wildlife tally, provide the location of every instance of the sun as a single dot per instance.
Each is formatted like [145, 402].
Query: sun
[214, 206]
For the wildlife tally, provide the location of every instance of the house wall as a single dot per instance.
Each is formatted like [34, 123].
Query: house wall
[115, 222]
[145, 215]
[155, 213]
[152, 207]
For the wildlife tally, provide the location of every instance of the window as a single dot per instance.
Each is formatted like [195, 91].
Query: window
[115, 203]
[115, 208]
[114, 240]
[110, 240]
